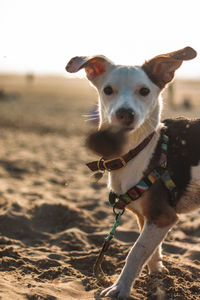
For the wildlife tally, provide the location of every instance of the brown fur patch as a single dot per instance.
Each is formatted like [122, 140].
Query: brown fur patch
[156, 207]
[107, 142]
[140, 220]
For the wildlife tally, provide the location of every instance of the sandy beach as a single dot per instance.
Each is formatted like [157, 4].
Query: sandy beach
[53, 220]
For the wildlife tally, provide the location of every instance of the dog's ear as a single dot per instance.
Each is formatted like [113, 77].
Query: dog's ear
[94, 66]
[161, 68]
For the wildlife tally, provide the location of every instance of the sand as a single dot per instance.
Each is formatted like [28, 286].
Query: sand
[53, 220]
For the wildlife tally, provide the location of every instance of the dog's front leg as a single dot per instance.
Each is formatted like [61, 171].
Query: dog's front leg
[149, 239]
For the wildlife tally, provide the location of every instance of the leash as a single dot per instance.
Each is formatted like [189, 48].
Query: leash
[98, 272]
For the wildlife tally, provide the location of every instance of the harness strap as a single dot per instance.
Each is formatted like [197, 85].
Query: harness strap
[140, 188]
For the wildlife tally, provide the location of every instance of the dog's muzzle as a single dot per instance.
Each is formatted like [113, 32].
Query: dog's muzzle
[125, 116]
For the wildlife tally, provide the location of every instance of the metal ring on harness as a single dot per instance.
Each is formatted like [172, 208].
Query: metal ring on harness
[121, 210]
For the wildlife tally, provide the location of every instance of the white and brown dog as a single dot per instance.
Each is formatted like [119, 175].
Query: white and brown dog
[130, 97]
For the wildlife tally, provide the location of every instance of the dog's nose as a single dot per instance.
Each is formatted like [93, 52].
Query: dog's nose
[125, 116]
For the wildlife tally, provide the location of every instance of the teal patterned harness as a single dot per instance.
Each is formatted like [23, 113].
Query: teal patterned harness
[161, 172]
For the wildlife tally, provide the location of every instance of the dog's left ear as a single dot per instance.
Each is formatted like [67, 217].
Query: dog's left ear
[161, 68]
[94, 66]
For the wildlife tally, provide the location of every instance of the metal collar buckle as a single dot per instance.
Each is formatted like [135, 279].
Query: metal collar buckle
[119, 159]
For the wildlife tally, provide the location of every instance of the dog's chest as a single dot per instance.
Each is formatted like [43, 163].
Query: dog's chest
[122, 180]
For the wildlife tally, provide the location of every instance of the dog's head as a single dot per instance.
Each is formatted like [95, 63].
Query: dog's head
[129, 95]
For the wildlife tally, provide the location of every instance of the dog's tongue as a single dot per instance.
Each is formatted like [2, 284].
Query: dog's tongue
[107, 143]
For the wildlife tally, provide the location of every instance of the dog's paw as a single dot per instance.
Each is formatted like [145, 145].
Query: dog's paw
[117, 290]
[157, 268]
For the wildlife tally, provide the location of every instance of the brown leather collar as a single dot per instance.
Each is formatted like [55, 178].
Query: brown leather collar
[120, 162]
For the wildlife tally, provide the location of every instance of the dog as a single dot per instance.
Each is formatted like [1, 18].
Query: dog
[131, 98]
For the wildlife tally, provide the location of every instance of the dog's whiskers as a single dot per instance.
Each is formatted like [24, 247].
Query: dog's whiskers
[91, 119]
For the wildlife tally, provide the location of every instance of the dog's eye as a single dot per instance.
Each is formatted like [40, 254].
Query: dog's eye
[144, 91]
[108, 90]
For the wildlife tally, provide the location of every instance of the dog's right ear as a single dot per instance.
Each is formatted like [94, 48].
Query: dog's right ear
[161, 68]
[94, 66]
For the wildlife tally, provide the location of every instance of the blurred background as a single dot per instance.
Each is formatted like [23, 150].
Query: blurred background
[38, 38]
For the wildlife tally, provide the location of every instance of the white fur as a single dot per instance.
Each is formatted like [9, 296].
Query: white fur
[195, 172]
[122, 180]
[126, 83]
